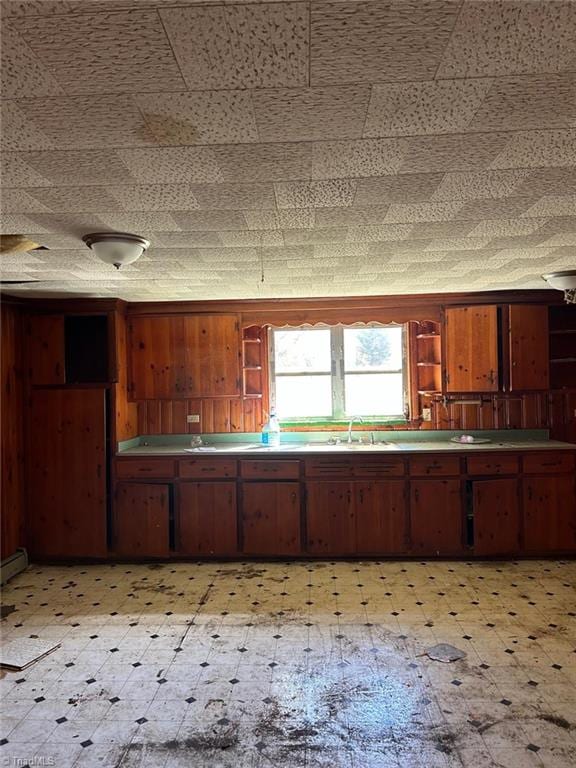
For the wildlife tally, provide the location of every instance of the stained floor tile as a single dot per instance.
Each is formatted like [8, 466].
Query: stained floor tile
[306, 664]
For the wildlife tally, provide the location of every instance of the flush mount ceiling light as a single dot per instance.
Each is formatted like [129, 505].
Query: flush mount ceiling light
[563, 281]
[117, 248]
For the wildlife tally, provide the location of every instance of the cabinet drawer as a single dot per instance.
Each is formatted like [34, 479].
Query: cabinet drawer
[434, 466]
[285, 470]
[547, 463]
[132, 468]
[351, 467]
[197, 468]
[502, 464]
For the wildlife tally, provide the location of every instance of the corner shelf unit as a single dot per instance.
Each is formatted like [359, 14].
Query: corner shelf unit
[426, 365]
[562, 325]
[254, 361]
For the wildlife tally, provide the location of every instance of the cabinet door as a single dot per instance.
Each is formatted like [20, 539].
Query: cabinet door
[436, 517]
[207, 518]
[271, 518]
[184, 356]
[141, 520]
[471, 349]
[549, 514]
[496, 517]
[381, 519]
[330, 518]
[66, 473]
[529, 349]
[45, 349]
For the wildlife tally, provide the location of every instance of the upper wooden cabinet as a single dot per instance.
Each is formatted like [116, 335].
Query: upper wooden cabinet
[184, 356]
[528, 346]
[471, 349]
[45, 351]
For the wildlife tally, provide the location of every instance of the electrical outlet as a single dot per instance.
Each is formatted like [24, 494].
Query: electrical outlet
[193, 418]
[426, 414]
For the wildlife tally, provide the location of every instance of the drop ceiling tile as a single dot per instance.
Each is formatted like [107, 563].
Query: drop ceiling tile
[139, 223]
[365, 42]
[11, 8]
[172, 165]
[209, 220]
[435, 106]
[207, 117]
[20, 201]
[81, 122]
[363, 157]
[452, 152]
[401, 213]
[19, 131]
[315, 194]
[11, 224]
[435, 229]
[79, 167]
[458, 244]
[77, 199]
[502, 208]
[67, 223]
[21, 73]
[381, 233]
[57, 242]
[408, 188]
[547, 181]
[529, 102]
[308, 114]
[524, 241]
[311, 236]
[264, 162]
[533, 149]
[350, 217]
[296, 218]
[503, 37]
[104, 52]
[16, 172]
[558, 225]
[563, 239]
[553, 205]
[235, 196]
[155, 197]
[506, 228]
[240, 46]
[480, 184]
[244, 239]
[187, 239]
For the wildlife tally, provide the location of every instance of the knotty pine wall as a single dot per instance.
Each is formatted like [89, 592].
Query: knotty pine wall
[12, 426]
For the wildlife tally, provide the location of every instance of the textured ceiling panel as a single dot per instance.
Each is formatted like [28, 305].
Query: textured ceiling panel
[349, 147]
[240, 46]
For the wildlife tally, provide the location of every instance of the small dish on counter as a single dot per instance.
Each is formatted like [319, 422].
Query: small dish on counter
[469, 440]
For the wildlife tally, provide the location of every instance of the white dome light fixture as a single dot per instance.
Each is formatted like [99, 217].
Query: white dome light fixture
[117, 248]
[563, 281]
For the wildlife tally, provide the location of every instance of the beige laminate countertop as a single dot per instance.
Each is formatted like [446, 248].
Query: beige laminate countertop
[306, 449]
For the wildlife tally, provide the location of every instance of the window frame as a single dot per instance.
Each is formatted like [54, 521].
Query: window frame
[338, 375]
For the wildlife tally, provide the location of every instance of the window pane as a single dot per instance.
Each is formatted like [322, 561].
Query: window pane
[376, 394]
[303, 396]
[302, 351]
[373, 349]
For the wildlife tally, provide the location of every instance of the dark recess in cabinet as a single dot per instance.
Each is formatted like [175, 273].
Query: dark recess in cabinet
[86, 349]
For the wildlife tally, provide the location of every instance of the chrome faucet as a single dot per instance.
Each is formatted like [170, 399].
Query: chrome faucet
[352, 420]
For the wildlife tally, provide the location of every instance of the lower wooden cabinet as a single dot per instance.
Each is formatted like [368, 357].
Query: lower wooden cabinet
[330, 520]
[436, 517]
[358, 517]
[496, 513]
[141, 520]
[271, 518]
[206, 520]
[549, 514]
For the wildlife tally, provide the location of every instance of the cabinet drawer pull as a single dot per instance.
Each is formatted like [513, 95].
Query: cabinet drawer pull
[551, 463]
[144, 469]
[208, 469]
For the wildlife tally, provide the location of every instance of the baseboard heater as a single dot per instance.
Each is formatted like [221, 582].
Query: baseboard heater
[13, 565]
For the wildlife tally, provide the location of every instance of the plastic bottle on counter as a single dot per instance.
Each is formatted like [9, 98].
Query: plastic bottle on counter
[271, 431]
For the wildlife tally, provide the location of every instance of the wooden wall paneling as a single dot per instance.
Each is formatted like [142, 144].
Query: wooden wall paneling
[558, 415]
[486, 414]
[126, 422]
[534, 410]
[66, 473]
[45, 349]
[528, 347]
[514, 412]
[253, 416]
[12, 427]
[236, 415]
[471, 366]
[140, 523]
